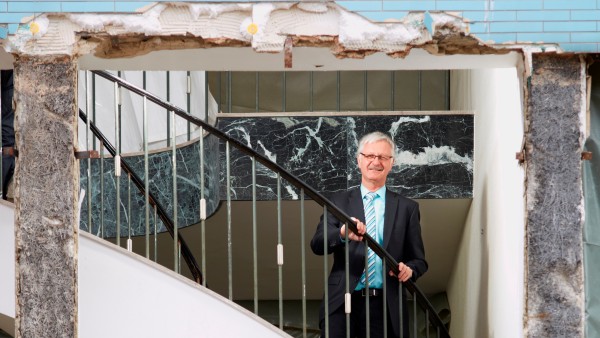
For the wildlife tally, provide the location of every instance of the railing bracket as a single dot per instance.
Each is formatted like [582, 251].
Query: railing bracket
[586, 155]
[279, 254]
[347, 302]
[117, 165]
[521, 157]
[202, 209]
[80, 155]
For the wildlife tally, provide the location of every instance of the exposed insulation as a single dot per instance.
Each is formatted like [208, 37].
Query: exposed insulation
[264, 26]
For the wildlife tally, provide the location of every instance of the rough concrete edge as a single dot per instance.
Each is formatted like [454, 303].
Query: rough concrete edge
[433, 28]
[532, 186]
[17, 186]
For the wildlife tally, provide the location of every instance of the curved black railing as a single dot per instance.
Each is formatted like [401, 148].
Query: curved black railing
[186, 253]
[421, 299]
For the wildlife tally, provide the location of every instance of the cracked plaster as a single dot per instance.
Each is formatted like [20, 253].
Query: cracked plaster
[262, 26]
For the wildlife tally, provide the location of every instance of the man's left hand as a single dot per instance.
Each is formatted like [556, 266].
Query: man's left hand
[404, 272]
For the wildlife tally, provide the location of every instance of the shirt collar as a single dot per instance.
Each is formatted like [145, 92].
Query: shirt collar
[364, 191]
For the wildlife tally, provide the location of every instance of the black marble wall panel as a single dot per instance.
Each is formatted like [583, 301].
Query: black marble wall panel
[434, 159]
[161, 186]
[434, 156]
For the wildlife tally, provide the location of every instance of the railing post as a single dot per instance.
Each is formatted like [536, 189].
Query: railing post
[229, 235]
[279, 252]
[101, 230]
[202, 201]
[117, 165]
[325, 270]
[129, 241]
[88, 136]
[189, 102]
[146, 173]
[367, 298]
[174, 168]
[348, 296]
[384, 286]
[254, 237]
[303, 254]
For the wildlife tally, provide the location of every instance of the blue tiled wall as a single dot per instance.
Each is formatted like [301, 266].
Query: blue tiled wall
[574, 24]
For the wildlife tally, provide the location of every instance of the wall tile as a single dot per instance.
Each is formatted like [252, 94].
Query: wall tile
[570, 26]
[37, 6]
[88, 7]
[12, 28]
[130, 6]
[13, 17]
[543, 37]
[518, 5]
[517, 26]
[490, 15]
[542, 15]
[585, 15]
[361, 5]
[497, 37]
[585, 37]
[479, 27]
[562, 4]
[460, 5]
[409, 5]
[580, 47]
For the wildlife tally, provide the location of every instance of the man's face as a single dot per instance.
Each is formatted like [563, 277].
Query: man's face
[375, 171]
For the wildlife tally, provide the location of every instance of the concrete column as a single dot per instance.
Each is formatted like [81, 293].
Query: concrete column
[554, 198]
[47, 181]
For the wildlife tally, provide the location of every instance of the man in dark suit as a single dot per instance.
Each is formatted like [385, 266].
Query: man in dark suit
[393, 221]
[8, 130]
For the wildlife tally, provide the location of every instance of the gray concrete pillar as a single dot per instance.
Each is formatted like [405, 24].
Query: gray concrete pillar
[554, 198]
[46, 189]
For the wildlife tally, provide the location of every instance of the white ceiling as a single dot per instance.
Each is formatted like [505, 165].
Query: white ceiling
[304, 59]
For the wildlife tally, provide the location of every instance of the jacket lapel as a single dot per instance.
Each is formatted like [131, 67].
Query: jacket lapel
[391, 204]
[356, 209]
[355, 205]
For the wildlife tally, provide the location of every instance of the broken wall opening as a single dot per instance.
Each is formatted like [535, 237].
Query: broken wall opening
[311, 54]
[483, 91]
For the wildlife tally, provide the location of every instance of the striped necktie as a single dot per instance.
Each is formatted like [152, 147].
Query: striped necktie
[372, 231]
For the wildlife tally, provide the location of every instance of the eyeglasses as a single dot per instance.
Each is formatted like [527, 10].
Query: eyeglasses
[381, 158]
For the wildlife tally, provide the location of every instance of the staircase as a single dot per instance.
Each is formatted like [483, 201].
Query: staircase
[122, 294]
[147, 199]
[109, 276]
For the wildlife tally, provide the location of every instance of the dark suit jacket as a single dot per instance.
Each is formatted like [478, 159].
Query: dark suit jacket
[401, 238]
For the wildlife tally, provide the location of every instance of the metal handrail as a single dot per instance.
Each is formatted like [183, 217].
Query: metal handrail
[298, 183]
[160, 210]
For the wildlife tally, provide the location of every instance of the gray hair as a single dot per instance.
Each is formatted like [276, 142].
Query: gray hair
[373, 137]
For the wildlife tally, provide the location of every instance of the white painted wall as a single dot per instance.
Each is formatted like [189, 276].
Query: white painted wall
[123, 295]
[486, 288]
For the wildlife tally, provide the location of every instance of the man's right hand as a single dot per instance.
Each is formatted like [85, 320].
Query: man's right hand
[362, 229]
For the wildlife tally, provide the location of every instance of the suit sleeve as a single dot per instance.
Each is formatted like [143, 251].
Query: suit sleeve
[333, 235]
[414, 251]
